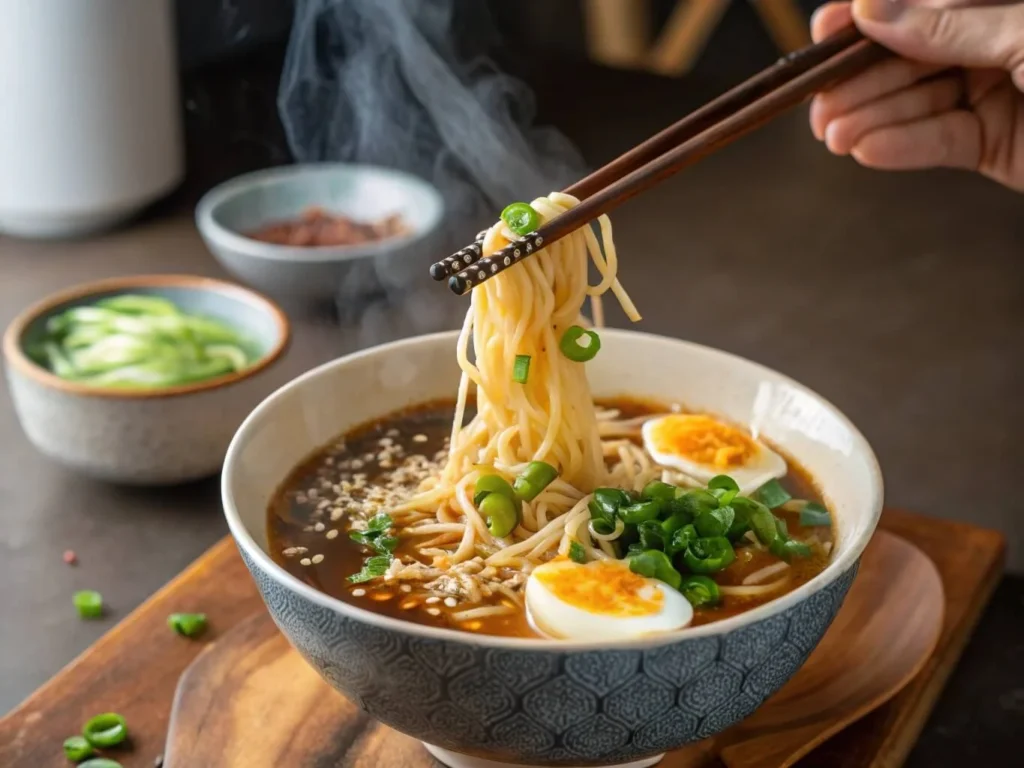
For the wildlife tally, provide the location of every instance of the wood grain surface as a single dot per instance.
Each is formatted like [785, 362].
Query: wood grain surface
[886, 631]
[134, 669]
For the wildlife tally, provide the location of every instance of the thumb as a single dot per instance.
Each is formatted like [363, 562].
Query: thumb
[990, 37]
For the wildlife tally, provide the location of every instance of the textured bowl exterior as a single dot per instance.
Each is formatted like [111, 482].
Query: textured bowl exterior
[548, 702]
[136, 441]
[547, 707]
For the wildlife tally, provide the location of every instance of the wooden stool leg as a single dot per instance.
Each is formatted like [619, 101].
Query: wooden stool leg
[785, 22]
[685, 35]
[617, 31]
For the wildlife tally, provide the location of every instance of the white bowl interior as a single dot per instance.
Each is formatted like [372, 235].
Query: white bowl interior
[362, 192]
[317, 407]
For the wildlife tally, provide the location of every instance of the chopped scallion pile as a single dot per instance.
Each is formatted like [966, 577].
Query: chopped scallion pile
[136, 341]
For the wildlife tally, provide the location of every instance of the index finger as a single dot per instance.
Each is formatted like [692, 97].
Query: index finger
[829, 19]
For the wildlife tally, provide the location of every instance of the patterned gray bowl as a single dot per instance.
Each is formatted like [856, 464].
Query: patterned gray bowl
[143, 437]
[485, 701]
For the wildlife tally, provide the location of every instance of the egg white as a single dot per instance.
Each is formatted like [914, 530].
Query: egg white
[552, 616]
[763, 466]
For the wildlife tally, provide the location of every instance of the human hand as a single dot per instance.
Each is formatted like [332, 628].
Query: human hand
[913, 112]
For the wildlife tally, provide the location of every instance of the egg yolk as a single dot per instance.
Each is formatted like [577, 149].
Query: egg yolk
[703, 440]
[606, 588]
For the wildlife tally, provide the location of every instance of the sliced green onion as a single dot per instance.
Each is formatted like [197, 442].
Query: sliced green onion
[486, 484]
[499, 512]
[658, 491]
[681, 539]
[576, 552]
[100, 762]
[521, 218]
[610, 499]
[763, 523]
[187, 624]
[693, 503]
[772, 494]
[723, 487]
[813, 514]
[709, 555]
[89, 603]
[139, 304]
[640, 512]
[580, 345]
[77, 748]
[787, 549]
[715, 522]
[373, 568]
[380, 522]
[700, 591]
[537, 476]
[106, 730]
[651, 535]
[521, 369]
[234, 354]
[655, 564]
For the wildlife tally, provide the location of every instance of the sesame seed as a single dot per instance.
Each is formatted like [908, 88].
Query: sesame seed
[434, 611]
[358, 592]
[317, 559]
[406, 588]
[420, 438]
[305, 561]
[319, 527]
[451, 602]
[332, 534]
[432, 600]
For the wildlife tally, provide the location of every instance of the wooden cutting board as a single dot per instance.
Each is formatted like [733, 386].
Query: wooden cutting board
[134, 669]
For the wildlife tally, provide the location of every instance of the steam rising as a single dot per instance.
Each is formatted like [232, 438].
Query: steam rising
[384, 82]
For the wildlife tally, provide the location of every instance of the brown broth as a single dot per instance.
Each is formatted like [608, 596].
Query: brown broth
[302, 516]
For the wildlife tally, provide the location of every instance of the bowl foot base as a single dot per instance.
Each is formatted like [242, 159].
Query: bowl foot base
[457, 760]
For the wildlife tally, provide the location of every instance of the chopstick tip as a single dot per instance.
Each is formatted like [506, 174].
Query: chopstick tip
[438, 271]
[458, 284]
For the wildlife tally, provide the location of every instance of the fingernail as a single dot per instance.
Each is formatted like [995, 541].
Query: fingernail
[878, 10]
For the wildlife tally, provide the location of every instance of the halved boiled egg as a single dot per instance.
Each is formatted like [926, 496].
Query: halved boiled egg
[601, 600]
[701, 446]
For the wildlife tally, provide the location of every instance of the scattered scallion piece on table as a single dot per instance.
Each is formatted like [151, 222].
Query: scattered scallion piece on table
[106, 730]
[187, 624]
[77, 748]
[521, 218]
[100, 762]
[88, 603]
[580, 345]
[521, 369]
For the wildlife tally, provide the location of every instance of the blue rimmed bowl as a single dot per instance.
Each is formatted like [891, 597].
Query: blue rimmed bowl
[478, 700]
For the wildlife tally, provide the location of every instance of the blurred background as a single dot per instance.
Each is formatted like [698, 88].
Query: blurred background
[896, 296]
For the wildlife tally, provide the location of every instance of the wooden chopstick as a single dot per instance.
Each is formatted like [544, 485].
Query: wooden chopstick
[689, 126]
[745, 108]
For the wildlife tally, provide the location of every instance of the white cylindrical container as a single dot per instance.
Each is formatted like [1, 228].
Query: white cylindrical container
[90, 119]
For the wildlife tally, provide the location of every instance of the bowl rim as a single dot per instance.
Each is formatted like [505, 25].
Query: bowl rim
[15, 355]
[209, 227]
[836, 568]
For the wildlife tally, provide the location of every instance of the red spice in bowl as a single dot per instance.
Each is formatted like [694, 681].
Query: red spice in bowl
[316, 227]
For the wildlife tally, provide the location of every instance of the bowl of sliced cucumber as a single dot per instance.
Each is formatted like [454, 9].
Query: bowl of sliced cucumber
[143, 379]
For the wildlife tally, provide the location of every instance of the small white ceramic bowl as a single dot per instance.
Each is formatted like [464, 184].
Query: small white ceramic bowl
[143, 437]
[480, 701]
[363, 192]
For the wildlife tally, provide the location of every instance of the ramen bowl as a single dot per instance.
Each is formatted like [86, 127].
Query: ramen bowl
[477, 700]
